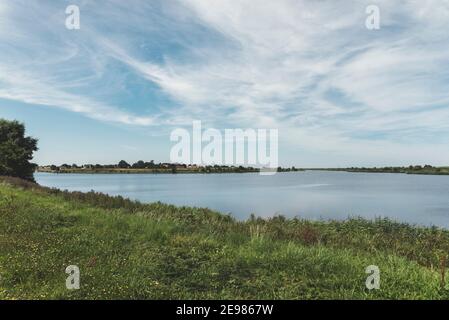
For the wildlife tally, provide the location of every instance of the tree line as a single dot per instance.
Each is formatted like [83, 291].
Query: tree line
[122, 164]
[145, 165]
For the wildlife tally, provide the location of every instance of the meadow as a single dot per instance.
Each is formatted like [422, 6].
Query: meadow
[130, 250]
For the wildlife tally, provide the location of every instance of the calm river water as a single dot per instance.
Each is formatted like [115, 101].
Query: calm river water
[417, 199]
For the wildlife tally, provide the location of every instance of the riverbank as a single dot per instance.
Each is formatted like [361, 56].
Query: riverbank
[126, 249]
[180, 170]
[173, 170]
[426, 170]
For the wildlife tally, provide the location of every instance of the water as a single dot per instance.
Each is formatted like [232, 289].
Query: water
[313, 195]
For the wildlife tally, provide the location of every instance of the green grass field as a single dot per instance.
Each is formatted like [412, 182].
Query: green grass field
[128, 250]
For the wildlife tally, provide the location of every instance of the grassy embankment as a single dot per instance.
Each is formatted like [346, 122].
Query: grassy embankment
[125, 249]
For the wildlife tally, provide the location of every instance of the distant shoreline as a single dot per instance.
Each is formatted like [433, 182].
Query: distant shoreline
[198, 170]
[139, 171]
[426, 170]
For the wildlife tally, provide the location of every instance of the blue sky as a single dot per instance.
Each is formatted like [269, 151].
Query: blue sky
[339, 94]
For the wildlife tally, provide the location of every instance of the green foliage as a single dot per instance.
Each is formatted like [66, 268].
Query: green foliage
[16, 150]
[147, 167]
[123, 164]
[130, 250]
[426, 169]
[139, 165]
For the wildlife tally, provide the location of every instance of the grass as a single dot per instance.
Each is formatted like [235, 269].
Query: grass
[129, 250]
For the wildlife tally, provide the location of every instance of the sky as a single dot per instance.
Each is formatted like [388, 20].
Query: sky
[339, 93]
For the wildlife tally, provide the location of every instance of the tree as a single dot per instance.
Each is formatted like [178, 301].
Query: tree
[16, 151]
[150, 164]
[139, 165]
[123, 164]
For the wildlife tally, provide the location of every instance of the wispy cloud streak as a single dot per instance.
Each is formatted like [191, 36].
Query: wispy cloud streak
[310, 68]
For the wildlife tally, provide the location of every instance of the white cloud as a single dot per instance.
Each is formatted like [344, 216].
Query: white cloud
[282, 57]
[41, 65]
[310, 68]
[19, 87]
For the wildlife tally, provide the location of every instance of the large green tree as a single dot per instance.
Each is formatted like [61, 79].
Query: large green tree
[16, 151]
